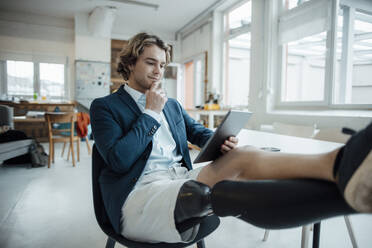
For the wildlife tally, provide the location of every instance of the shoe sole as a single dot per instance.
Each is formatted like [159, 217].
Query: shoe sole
[358, 192]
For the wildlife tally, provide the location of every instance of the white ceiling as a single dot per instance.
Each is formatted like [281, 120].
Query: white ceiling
[167, 19]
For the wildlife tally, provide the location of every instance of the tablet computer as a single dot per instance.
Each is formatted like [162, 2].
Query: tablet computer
[231, 125]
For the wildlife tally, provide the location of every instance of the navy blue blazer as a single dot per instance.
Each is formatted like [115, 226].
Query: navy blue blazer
[123, 136]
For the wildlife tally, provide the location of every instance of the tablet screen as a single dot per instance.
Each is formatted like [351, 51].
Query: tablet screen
[231, 125]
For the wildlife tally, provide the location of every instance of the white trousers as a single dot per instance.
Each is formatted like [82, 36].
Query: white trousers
[148, 212]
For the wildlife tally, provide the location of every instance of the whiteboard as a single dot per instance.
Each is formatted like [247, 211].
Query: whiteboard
[92, 80]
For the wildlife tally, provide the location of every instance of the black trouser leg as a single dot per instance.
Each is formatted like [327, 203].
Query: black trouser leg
[277, 204]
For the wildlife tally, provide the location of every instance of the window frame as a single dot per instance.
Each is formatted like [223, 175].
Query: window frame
[329, 73]
[36, 60]
[229, 34]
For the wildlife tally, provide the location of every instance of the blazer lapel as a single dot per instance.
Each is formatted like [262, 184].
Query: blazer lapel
[168, 115]
[128, 100]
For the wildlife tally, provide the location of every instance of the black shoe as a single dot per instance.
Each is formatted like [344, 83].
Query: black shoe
[354, 170]
[193, 200]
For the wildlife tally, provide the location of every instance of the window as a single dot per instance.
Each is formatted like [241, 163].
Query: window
[353, 83]
[304, 69]
[326, 53]
[194, 88]
[20, 77]
[52, 80]
[237, 50]
[30, 79]
[290, 4]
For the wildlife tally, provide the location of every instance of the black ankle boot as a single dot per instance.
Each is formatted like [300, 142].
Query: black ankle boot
[193, 200]
[353, 170]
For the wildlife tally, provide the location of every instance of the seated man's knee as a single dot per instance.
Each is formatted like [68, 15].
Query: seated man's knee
[193, 200]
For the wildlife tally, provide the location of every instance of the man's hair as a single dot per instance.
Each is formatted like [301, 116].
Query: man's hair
[135, 47]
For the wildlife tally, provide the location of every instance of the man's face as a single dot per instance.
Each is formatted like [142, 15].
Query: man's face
[148, 69]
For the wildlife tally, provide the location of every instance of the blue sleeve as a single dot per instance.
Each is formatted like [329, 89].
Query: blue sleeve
[196, 133]
[120, 148]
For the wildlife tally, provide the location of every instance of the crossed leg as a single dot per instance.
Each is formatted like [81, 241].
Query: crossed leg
[302, 188]
[251, 163]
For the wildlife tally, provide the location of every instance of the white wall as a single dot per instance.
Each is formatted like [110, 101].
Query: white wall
[88, 47]
[194, 44]
[29, 36]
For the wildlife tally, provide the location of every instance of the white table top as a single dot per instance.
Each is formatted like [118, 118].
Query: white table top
[289, 144]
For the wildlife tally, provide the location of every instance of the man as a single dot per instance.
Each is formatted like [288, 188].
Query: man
[142, 135]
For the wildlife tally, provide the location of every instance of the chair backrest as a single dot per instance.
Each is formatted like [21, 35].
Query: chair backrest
[294, 130]
[97, 166]
[6, 116]
[332, 134]
[207, 224]
[60, 117]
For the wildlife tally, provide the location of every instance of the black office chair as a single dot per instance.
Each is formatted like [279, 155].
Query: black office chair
[207, 224]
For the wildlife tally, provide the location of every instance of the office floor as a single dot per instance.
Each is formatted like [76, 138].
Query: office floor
[42, 207]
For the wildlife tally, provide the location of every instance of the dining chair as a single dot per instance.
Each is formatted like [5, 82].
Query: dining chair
[55, 134]
[81, 130]
[294, 130]
[207, 224]
[332, 135]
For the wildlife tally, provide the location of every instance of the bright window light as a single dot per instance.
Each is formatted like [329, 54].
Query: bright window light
[241, 15]
[52, 80]
[304, 70]
[20, 77]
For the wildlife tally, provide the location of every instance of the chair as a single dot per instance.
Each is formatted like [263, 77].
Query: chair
[294, 130]
[6, 116]
[54, 134]
[83, 120]
[207, 224]
[337, 135]
[331, 134]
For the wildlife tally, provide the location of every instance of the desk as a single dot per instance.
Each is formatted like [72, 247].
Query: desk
[288, 144]
[33, 127]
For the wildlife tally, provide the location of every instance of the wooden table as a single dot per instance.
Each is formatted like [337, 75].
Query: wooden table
[33, 127]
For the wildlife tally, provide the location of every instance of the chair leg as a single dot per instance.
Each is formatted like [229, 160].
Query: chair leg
[200, 244]
[68, 153]
[110, 243]
[72, 151]
[305, 236]
[88, 145]
[50, 153]
[351, 232]
[78, 149]
[63, 148]
[53, 152]
[266, 235]
[316, 235]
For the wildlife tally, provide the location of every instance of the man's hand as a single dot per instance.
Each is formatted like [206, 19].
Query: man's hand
[229, 144]
[155, 98]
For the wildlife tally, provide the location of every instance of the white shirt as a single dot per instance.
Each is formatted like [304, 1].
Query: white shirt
[164, 153]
